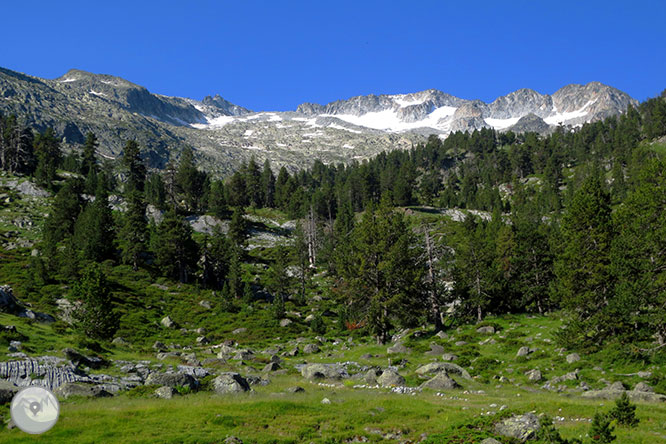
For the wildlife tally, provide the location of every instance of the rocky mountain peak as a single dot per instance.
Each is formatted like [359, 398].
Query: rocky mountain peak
[224, 106]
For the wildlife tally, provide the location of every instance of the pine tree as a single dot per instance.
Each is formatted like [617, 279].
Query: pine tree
[624, 412]
[248, 295]
[95, 317]
[382, 273]
[88, 166]
[235, 275]
[268, 185]
[133, 234]
[136, 177]
[253, 184]
[176, 252]
[60, 222]
[585, 282]
[47, 151]
[220, 252]
[189, 181]
[94, 229]
[638, 259]
[282, 190]
[238, 229]
[217, 201]
[155, 191]
[474, 273]
[237, 195]
[277, 279]
[601, 430]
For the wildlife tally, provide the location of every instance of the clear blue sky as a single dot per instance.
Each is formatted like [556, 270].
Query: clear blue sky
[273, 55]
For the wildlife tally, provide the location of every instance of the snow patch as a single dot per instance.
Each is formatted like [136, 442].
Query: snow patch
[348, 146]
[99, 94]
[563, 117]
[71, 79]
[500, 124]
[388, 120]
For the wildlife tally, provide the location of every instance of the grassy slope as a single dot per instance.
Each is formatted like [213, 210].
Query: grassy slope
[268, 415]
[271, 416]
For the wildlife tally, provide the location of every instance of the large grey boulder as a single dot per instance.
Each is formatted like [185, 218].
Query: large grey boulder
[520, 427]
[534, 375]
[172, 380]
[643, 387]
[390, 378]
[9, 304]
[397, 348]
[435, 350]
[165, 392]
[445, 367]
[632, 394]
[573, 357]
[271, 367]
[28, 188]
[372, 375]
[617, 385]
[440, 381]
[230, 382]
[78, 359]
[321, 371]
[7, 391]
[167, 322]
[489, 330]
[69, 389]
[311, 348]
[523, 351]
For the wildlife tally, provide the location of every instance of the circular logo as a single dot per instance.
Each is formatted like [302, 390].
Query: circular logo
[35, 410]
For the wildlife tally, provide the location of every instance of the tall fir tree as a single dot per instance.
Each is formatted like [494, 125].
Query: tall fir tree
[136, 170]
[584, 280]
[47, 151]
[176, 252]
[94, 231]
[133, 233]
[382, 273]
[95, 317]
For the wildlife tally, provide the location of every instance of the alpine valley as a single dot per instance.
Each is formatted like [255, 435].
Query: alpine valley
[224, 135]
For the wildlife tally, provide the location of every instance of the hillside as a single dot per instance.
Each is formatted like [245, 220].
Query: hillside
[486, 286]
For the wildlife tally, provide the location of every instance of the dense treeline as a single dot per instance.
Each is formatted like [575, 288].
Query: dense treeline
[574, 220]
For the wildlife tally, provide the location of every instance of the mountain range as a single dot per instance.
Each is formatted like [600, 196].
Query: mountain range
[224, 134]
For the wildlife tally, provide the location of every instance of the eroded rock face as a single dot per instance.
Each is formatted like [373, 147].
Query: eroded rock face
[520, 427]
[230, 382]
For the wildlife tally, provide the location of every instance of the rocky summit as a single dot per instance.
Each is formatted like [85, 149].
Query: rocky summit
[224, 134]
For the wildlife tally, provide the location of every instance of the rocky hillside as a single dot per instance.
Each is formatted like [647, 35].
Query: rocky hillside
[225, 134]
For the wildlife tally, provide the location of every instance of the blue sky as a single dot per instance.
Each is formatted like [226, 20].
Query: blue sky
[273, 55]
